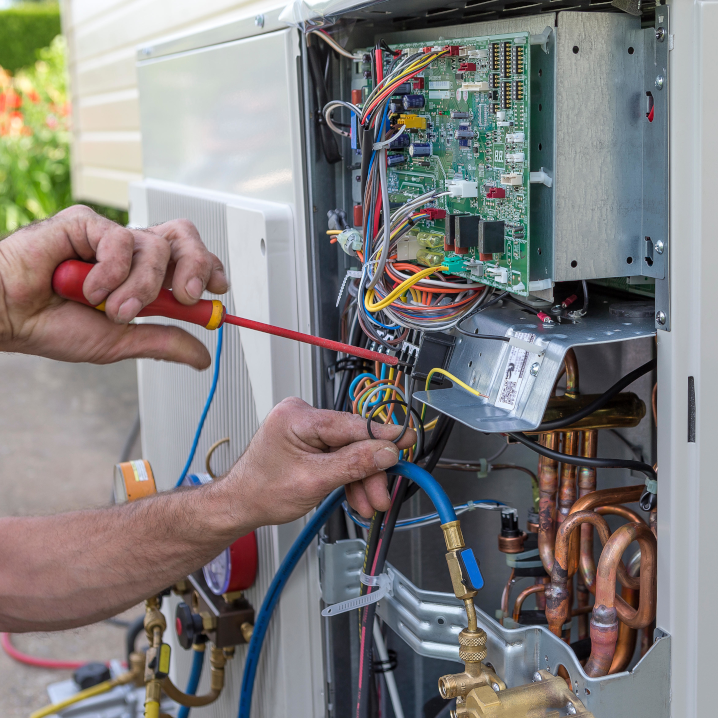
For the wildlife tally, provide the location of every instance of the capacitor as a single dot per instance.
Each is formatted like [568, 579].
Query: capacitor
[456, 115]
[464, 143]
[461, 134]
[413, 102]
[400, 142]
[396, 159]
[421, 149]
[403, 89]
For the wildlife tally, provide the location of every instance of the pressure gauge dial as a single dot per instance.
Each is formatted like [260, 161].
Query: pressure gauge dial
[235, 569]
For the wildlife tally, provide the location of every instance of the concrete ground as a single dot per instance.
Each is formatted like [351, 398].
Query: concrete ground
[62, 428]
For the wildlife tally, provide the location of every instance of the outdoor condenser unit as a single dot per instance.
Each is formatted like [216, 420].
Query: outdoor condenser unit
[232, 141]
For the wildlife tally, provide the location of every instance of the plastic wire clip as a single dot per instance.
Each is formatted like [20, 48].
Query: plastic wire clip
[383, 582]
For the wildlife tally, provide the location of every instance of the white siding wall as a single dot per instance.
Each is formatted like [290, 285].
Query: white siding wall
[102, 37]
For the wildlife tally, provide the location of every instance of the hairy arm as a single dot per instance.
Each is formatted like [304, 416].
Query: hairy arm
[68, 570]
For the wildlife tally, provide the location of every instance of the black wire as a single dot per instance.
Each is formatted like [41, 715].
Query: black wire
[369, 612]
[419, 424]
[601, 401]
[647, 500]
[481, 309]
[409, 394]
[585, 296]
[635, 450]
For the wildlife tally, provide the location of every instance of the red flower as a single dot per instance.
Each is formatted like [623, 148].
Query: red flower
[16, 115]
[3, 101]
[33, 97]
[13, 100]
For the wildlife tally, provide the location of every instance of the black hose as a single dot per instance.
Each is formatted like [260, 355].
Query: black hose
[648, 499]
[134, 630]
[600, 402]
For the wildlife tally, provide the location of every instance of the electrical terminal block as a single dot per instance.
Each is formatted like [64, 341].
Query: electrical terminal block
[515, 137]
[515, 157]
[512, 179]
[475, 86]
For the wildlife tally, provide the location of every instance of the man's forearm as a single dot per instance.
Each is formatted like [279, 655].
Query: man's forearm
[71, 569]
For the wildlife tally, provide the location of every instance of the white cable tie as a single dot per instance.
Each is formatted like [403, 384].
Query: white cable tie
[385, 143]
[526, 346]
[383, 582]
[351, 274]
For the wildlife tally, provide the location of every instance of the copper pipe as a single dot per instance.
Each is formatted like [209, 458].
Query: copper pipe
[624, 512]
[603, 497]
[586, 485]
[536, 588]
[582, 611]
[627, 637]
[653, 521]
[604, 622]
[548, 487]
[623, 411]
[505, 595]
[571, 364]
[582, 601]
[607, 574]
[558, 595]
[567, 484]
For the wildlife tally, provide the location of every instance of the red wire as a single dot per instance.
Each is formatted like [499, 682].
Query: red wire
[28, 660]
[650, 114]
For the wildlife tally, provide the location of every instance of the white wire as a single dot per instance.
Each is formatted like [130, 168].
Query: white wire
[381, 157]
[388, 675]
[328, 111]
[365, 409]
[335, 45]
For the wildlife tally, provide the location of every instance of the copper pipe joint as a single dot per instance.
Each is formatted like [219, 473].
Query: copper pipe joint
[623, 411]
[558, 594]
[604, 634]
[567, 484]
[512, 544]
[571, 364]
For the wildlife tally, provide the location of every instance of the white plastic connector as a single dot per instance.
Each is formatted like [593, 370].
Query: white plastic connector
[515, 136]
[541, 177]
[462, 188]
[513, 179]
[475, 86]
[515, 156]
[407, 248]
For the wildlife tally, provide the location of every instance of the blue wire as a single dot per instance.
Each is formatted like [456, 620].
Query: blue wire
[208, 403]
[295, 553]
[357, 379]
[193, 681]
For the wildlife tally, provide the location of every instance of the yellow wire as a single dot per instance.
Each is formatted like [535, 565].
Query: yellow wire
[431, 425]
[334, 231]
[437, 370]
[81, 696]
[398, 291]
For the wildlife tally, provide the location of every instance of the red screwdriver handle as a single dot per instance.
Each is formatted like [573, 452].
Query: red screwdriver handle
[69, 277]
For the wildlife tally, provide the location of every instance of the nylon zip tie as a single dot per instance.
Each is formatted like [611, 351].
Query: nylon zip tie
[384, 144]
[384, 582]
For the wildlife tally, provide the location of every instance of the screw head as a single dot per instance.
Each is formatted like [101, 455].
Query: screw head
[661, 318]
[495, 686]
[571, 709]
[659, 246]
[660, 34]
[259, 20]
[534, 370]
[659, 82]
[537, 677]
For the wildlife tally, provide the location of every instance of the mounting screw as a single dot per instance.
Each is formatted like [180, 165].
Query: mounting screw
[661, 318]
[659, 82]
[534, 370]
[660, 34]
[571, 709]
[537, 677]
[658, 246]
[495, 687]
[259, 20]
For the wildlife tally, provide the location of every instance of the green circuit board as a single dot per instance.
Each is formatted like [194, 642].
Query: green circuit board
[473, 131]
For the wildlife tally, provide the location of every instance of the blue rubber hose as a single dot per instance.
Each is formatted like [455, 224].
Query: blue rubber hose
[430, 486]
[411, 471]
[207, 404]
[295, 553]
[193, 680]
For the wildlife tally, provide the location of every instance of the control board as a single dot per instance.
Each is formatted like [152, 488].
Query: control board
[467, 135]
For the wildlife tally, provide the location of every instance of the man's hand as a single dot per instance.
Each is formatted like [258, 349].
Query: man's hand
[132, 266]
[301, 454]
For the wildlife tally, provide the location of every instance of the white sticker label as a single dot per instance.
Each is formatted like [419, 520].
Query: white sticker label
[514, 374]
[466, 95]
[439, 85]
[439, 94]
[139, 470]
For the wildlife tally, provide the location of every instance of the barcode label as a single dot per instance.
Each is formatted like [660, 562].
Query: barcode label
[514, 374]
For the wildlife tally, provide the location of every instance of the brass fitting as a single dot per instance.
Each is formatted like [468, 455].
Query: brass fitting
[454, 543]
[153, 694]
[548, 696]
[137, 668]
[453, 536]
[154, 618]
[247, 631]
[472, 650]
[209, 622]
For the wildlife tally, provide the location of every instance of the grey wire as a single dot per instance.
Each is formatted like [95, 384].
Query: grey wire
[387, 225]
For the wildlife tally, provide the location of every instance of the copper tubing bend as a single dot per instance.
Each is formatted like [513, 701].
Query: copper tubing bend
[608, 606]
[535, 588]
[217, 661]
[584, 559]
[558, 594]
